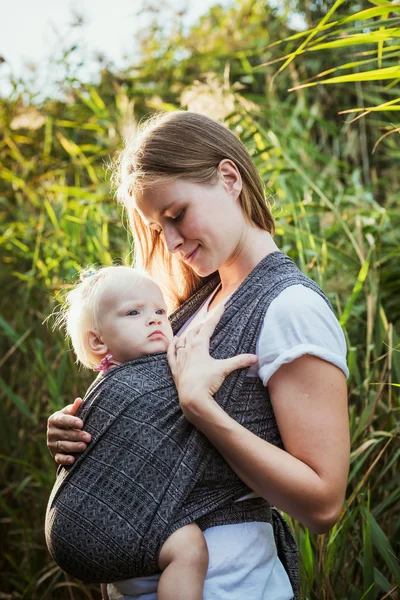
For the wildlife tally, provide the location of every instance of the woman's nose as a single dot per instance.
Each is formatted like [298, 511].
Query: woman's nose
[172, 239]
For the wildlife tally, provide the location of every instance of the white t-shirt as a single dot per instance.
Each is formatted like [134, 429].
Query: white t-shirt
[243, 562]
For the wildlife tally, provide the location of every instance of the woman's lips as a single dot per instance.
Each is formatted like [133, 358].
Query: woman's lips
[189, 257]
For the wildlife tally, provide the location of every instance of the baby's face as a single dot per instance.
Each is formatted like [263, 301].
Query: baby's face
[133, 318]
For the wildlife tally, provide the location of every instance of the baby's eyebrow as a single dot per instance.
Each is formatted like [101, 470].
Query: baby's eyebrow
[132, 303]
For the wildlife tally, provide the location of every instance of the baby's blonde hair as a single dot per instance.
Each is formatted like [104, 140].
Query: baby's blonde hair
[80, 311]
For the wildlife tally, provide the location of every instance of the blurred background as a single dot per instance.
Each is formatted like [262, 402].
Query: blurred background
[311, 87]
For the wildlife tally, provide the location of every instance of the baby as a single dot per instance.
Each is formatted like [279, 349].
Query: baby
[114, 315]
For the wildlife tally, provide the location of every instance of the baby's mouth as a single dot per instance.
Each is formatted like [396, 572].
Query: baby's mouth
[157, 332]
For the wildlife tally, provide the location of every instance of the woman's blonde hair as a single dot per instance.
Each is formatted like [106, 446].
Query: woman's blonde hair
[190, 146]
[80, 311]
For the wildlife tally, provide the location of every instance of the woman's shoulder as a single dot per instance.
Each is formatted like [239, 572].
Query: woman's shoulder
[301, 314]
[300, 298]
[281, 280]
[299, 321]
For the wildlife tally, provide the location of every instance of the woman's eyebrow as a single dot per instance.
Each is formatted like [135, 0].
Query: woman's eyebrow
[166, 209]
[162, 213]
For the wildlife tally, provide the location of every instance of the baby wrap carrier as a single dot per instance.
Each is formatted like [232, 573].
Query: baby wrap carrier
[147, 470]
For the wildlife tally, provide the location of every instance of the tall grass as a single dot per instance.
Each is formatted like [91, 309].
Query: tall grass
[336, 217]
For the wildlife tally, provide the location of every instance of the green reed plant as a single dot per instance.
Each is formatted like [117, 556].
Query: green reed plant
[58, 214]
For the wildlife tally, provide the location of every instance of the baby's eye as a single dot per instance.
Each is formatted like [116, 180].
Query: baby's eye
[160, 311]
[133, 313]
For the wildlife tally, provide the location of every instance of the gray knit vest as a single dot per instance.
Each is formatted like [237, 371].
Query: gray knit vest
[147, 470]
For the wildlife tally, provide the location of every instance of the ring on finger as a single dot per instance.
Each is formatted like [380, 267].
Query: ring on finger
[179, 347]
[58, 445]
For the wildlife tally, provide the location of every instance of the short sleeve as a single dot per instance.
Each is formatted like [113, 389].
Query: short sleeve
[299, 322]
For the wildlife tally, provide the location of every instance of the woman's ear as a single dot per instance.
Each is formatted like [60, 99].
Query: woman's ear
[230, 176]
[96, 344]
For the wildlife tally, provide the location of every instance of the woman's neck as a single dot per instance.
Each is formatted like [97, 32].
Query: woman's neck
[254, 246]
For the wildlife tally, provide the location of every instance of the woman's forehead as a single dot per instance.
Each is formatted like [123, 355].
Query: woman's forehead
[155, 200]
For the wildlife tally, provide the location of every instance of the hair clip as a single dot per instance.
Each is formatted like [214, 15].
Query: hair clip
[86, 274]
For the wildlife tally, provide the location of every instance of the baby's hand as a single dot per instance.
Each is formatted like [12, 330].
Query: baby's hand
[65, 435]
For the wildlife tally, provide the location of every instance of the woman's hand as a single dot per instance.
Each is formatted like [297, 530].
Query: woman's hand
[197, 375]
[64, 434]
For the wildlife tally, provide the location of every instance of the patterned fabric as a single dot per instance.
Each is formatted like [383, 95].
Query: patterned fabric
[147, 470]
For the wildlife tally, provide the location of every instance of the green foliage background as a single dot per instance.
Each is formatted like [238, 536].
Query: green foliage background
[333, 182]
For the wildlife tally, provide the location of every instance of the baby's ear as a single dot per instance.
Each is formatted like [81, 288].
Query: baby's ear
[95, 342]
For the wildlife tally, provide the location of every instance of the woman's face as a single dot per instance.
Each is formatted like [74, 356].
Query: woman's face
[202, 224]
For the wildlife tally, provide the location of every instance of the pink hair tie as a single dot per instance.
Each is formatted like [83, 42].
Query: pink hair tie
[106, 363]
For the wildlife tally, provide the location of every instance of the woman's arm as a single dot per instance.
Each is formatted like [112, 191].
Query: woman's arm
[308, 480]
[309, 398]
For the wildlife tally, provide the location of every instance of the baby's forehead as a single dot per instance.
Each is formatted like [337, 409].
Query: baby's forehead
[120, 285]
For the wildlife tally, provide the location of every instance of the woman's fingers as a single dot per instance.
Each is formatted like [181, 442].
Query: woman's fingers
[64, 459]
[209, 325]
[68, 447]
[72, 409]
[60, 420]
[203, 330]
[172, 355]
[68, 435]
[238, 362]
[190, 335]
[60, 448]
[64, 433]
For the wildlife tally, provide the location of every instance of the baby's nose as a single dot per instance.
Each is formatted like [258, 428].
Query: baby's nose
[155, 319]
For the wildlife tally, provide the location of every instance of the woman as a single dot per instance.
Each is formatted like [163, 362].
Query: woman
[197, 206]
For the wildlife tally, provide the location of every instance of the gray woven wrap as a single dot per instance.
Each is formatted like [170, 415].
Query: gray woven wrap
[147, 470]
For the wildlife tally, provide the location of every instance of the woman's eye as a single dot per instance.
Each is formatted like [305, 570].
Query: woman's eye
[160, 311]
[133, 313]
[179, 216]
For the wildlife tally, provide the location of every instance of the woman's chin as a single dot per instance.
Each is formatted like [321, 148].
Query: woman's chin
[202, 270]
[203, 273]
